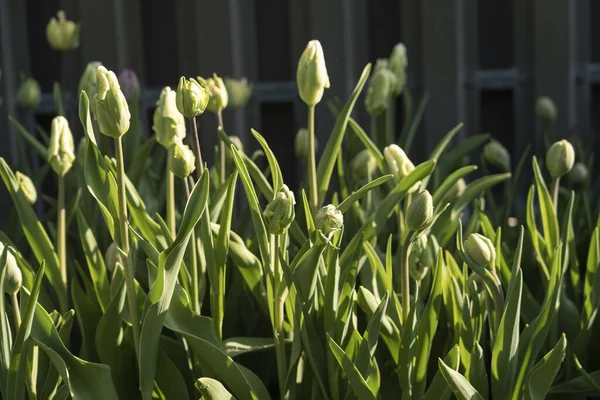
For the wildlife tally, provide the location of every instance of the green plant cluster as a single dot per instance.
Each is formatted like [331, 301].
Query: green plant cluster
[151, 275]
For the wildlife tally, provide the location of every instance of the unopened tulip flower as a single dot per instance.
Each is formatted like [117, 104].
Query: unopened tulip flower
[61, 151]
[380, 90]
[329, 219]
[397, 63]
[497, 155]
[13, 278]
[112, 110]
[399, 164]
[62, 34]
[29, 94]
[181, 160]
[239, 92]
[192, 97]
[545, 109]
[579, 175]
[168, 122]
[363, 164]
[280, 212]
[480, 250]
[420, 211]
[311, 77]
[218, 99]
[560, 158]
[130, 85]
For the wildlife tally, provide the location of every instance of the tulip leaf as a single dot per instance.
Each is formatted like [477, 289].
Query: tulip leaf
[360, 193]
[211, 389]
[368, 143]
[543, 373]
[357, 381]
[439, 149]
[460, 386]
[439, 389]
[549, 221]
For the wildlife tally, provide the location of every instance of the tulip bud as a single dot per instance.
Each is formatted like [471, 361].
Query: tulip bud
[27, 187]
[61, 33]
[238, 92]
[112, 111]
[456, 190]
[420, 211]
[301, 147]
[13, 278]
[192, 96]
[579, 175]
[545, 109]
[238, 145]
[380, 90]
[560, 158]
[497, 155]
[181, 160]
[399, 164]
[397, 63]
[280, 211]
[480, 250]
[29, 93]
[363, 164]
[311, 77]
[218, 94]
[418, 260]
[61, 152]
[112, 257]
[329, 219]
[168, 122]
[130, 85]
[88, 83]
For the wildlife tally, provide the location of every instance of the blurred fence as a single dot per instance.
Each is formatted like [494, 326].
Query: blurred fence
[481, 62]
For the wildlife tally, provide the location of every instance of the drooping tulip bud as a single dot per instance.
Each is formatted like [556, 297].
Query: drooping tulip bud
[280, 212]
[237, 142]
[480, 250]
[397, 63]
[497, 155]
[329, 219]
[218, 94]
[13, 278]
[311, 77]
[380, 90]
[112, 257]
[239, 92]
[130, 85]
[112, 110]
[181, 160]
[399, 164]
[29, 94]
[363, 164]
[62, 34]
[61, 151]
[88, 83]
[560, 158]
[579, 176]
[545, 109]
[420, 211]
[301, 147]
[27, 187]
[168, 122]
[192, 96]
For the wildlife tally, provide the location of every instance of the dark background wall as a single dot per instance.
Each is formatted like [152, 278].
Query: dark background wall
[481, 62]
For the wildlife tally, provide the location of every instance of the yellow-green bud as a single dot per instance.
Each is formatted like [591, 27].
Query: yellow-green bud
[239, 92]
[112, 257]
[579, 175]
[280, 212]
[420, 211]
[380, 90]
[192, 96]
[363, 164]
[61, 151]
[29, 93]
[399, 164]
[218, 94]
[181, 160]
[88, 82]
[480, 250]
[130, 85]
[418, 259]
[560, 158]
[61, 33]
[27, 187]
[13, 277]
[497, 155]
[397, 63]
[238, 145]
[329, 219]
[311, 77]
[111, 108]
[301, 146]
[545, 109]
[168, 122]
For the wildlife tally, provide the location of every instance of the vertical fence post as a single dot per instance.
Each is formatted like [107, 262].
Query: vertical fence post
[524, 61]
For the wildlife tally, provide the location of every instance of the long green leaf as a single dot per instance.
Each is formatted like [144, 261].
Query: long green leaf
[458, 383]
[211, 389]
[357, 381]
[543, 373]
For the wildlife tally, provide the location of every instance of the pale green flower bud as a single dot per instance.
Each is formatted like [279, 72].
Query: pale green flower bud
[545, 109]
[61, 152]
[399, 164]
[27, 187]
[112, 257]
[497, 155]
[29, 94]
[397, 63]
[181, 160]
[88, 83]
[192, 96]
[218, 94]
[61, 33]
[280, 212]
[112, 110]
[239, 92]
[560, 158]
[130, 85]
[363, 164]
[13, 278]
[579, 176]
[301, 146]
[420, 211]
[380, 91]
[238, 145]
[329, 219]
[480, 250]
[456, 190]
[311, 77]
[168, 122]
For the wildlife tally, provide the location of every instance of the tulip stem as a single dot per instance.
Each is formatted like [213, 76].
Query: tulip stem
[222, 147]
[390, 122]
[196, 146]
[16, 311]
[278, 310]
[171, 203]
[193, 259]
[61, 232]
[129, 275]
[555, 188]
[406, 277]
[312, 161]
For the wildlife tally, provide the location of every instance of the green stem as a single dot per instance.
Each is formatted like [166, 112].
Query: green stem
[61, 234]
[405, 278]
[555, 188]
[222, 148]
[129, 276]
[196, 146]
[33, 373]
[278, 309]
[374, 136]
[193, 259]
[390, 122]
[171, 203]
[16, 311]
[312, 161]
[588, 211]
